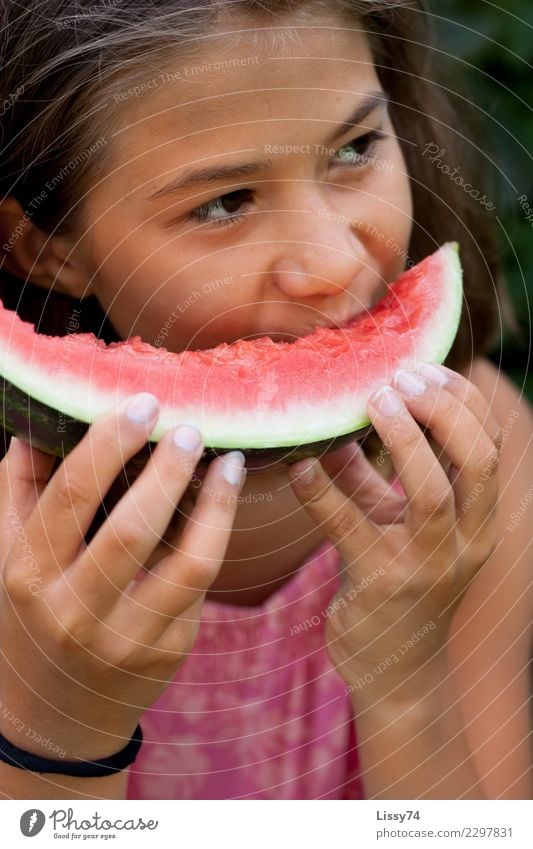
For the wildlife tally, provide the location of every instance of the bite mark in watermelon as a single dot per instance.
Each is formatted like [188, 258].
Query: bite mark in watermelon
[273, 400]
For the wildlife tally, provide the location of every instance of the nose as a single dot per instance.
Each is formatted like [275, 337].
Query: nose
[321, 259]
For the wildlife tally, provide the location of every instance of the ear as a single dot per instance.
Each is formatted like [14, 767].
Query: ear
[32, 255]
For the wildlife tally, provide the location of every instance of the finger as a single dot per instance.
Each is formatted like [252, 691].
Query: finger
[466, 392]
[460, 434]
[183, 577]
[136, 524]
[355, 476]
[68, 504]
[341, 519]
[24, 473]
[429, 494]
[179, 636]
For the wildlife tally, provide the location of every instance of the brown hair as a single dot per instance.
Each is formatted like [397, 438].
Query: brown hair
[63, 59]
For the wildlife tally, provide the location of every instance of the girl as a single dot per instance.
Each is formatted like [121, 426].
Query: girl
[365, 618]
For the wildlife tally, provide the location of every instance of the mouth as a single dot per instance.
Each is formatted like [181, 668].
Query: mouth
[340, 323]
[329, 324]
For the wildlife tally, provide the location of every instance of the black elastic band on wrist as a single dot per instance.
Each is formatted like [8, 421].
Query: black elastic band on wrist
[14, 756]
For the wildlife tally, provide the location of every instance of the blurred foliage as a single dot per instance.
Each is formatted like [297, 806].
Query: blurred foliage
[490, 45]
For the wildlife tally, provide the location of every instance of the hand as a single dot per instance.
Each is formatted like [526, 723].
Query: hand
[421, 565]
[85, 648]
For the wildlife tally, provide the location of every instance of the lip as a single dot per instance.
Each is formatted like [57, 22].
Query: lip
[332, 324]
[338, 324]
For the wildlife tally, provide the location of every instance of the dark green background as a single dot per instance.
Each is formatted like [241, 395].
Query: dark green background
[490, 47]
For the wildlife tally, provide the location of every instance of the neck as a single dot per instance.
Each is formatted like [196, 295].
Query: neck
[272, 535]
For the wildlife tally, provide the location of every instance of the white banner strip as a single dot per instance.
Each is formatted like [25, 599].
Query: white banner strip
[268, 824]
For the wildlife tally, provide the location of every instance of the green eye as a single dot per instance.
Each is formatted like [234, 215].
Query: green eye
[358, 151]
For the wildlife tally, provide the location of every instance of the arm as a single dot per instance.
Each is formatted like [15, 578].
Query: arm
[78, 664]
[413, 733]
[65, 736]
[413, 745]
[491, 635]
[476, 721]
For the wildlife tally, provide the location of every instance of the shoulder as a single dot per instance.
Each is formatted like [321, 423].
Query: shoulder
[513, 557]
[514, 413]
[491, 636]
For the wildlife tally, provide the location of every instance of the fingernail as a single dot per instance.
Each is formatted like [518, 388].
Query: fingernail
[142, 408]
[306, 471]
[233, 467]
[433, 374]
[387, 402]
[187, 438]
[409, 384]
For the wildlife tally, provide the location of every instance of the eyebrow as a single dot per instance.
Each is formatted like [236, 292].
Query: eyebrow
[229, 173]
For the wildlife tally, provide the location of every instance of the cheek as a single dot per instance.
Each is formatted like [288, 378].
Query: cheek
[401, 194]
[150, 285]
[394, 217]
[199, 307]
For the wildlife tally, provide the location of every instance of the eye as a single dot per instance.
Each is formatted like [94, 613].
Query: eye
[224, 209]
[227, 209]
[359, 151]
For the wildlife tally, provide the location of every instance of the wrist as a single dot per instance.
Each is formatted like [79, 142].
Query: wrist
[19, 758]
[62, 739]
[415, 694]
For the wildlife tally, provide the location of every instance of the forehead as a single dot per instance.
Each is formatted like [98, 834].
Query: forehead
[238, 78]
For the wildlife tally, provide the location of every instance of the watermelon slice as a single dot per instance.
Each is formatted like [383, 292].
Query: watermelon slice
[273, 400]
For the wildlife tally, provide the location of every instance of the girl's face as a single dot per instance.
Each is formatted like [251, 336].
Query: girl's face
[253, 192]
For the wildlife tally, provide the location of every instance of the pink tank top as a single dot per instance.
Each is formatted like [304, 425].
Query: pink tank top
[257, 711]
